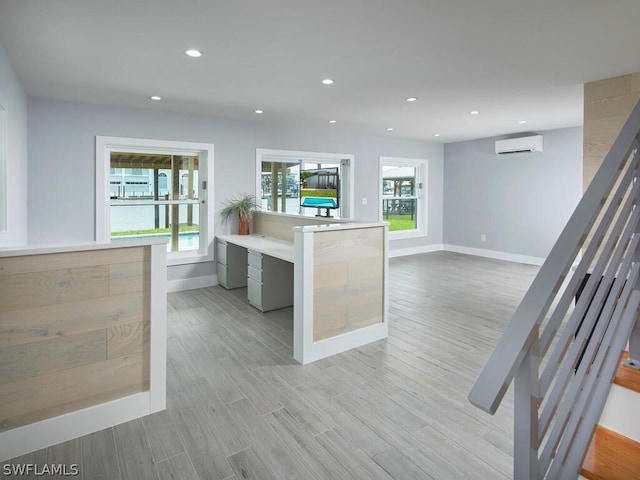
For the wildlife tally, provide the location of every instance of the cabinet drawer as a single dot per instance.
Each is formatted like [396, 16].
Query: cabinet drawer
[221, 252]
[254, 273]
[254, 293]
[255, 259]
[222, 274]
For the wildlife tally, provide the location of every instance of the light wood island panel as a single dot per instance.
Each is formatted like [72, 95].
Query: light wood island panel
[74, 331]
[348, 281]
[340, 288]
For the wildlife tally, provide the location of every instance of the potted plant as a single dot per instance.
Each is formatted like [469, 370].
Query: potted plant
[243, 206]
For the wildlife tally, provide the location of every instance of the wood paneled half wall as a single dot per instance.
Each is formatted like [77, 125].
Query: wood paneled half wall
[75, 330]
[340, 288]
[348, 281]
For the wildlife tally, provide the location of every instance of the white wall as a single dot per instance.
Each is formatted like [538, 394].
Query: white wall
[520, 202]
[62, 171]
[16, 162]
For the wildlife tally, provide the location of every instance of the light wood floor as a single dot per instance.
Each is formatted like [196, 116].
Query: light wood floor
[240, 408]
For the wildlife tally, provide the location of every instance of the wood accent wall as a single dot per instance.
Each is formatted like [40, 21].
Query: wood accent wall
[607, 105]
[348, 281]
[74, 331]
[281, 226]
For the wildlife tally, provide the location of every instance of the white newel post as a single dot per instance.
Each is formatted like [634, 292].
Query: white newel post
[525, 418]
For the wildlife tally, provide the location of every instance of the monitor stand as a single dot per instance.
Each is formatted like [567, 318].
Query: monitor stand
[326, 215]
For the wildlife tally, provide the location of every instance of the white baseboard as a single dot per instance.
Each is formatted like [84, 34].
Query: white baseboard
[341, 343]
[479, 252]
[191, 283]
[35, 436]
[402, 252]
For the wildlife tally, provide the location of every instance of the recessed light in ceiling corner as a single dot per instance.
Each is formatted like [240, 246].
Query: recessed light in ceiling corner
[192, 52]
[332, 121]
[522, 122]
[328, 81]
[474, 112]
[389, 129]
[155, 97]
[436, 134]
[412, 99]
[259, 112]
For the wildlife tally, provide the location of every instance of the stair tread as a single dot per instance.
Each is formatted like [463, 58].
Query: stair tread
[627, 377]
[611, 456]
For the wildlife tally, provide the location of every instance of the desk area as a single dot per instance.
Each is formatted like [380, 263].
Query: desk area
[263, 265]
[334, 275]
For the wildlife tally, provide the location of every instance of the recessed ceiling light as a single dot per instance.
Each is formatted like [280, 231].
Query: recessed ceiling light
[474, 112]
[436, 134]
[412, 99]
[522, 122]
[389, 129]
[332, 121]
[155, 97]
[193, 53]
[328, 81]
[259, 111]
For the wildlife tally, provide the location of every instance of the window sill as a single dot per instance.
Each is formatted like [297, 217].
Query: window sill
[400, 235]
[186, 258]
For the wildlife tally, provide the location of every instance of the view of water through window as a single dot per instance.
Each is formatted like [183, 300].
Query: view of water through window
[131, 221]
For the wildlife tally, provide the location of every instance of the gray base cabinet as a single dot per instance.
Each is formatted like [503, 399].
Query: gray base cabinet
[231, 265]
[269, 282]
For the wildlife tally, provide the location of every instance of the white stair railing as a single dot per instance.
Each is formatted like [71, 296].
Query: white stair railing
[563, 355]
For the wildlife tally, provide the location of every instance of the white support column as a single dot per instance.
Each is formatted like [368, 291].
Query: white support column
[634, 339]
[525, 418]
[158, 335]
[302, 295]
[634, 346]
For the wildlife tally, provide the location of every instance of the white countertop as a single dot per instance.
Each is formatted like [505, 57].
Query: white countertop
[281, 248]
[269, 246]
[78, 247]
[339, 226]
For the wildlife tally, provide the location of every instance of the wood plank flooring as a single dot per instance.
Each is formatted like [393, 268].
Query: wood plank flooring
[240, 408]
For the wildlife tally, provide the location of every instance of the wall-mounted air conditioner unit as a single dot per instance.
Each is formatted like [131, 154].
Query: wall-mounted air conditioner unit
[532, 143]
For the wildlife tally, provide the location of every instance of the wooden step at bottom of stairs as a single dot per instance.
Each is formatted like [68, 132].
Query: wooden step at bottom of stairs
[627, 377]
[612, 456]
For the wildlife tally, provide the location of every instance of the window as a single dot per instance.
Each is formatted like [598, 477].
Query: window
[403, 199]
[149, 188]
[163, 188]
[304, 183]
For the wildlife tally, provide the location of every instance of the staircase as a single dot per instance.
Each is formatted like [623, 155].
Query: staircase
[562, 356]
[612, 455]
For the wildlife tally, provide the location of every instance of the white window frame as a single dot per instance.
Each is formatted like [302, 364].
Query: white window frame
[205, 152]
[4, 149]
[422, 166]
[293, 156]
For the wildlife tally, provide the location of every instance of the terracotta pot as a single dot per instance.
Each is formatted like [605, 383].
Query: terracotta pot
[243, 225]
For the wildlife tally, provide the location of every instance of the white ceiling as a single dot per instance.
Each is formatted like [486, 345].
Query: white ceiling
[511, 60]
